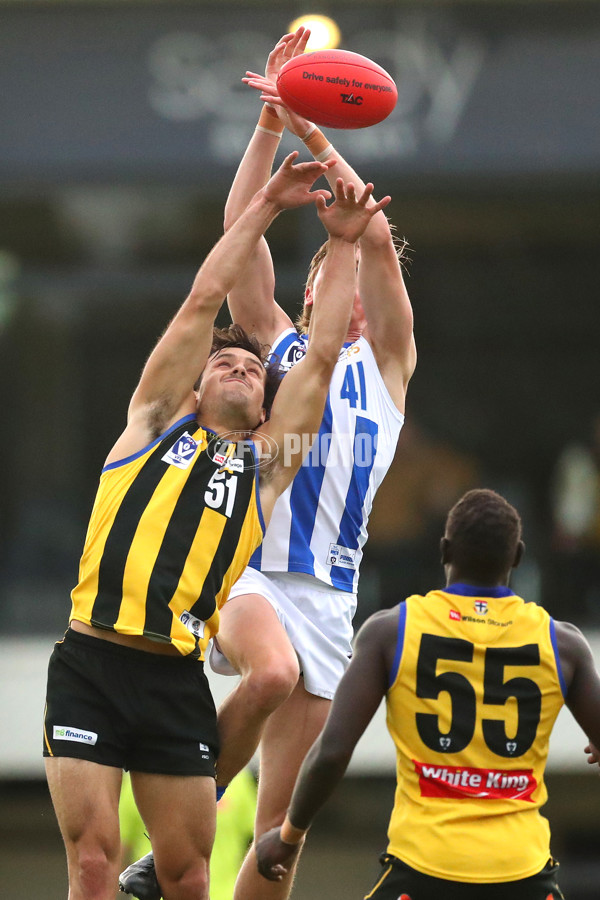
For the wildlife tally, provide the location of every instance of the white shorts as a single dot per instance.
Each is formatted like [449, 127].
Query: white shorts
[317, 619]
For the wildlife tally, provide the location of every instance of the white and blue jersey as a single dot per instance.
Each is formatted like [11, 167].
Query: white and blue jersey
[319, 524]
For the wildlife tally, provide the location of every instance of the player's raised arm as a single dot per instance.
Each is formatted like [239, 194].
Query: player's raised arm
[165, 392]
[356, 700]
[383, 294]
[300, 401]
[251, 301]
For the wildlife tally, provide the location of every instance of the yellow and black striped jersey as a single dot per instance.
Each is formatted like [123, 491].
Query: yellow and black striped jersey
[171, 530]
[474, 694]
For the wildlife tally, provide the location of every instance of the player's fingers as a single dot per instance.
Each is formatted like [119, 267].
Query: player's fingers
[340, 189]
[366, 194]
[289, 160]
[381, 205]
[301, 46]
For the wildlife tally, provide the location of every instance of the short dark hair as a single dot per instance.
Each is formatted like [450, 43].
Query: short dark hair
[484, 531]
[236, 336]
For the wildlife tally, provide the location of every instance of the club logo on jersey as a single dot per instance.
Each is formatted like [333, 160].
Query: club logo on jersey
[445, 743]
[294, 353]
[67, 733]
[182, 452]
[454, 614]
[464, 782]
[341, 556]
[196, 626]
[481, 607]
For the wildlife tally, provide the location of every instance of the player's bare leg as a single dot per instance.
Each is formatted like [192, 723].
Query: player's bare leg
[86, 801]
[290, 732]
[179, 813]
[255, 643]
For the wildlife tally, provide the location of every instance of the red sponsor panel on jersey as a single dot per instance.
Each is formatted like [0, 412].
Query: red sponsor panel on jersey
[468, 782]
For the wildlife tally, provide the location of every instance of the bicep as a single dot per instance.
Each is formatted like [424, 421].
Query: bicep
[583, 682]
[384, 298]
[252, 303]
[296, 418]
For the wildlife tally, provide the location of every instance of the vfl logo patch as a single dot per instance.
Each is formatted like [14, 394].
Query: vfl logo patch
[341, 556]
[481, 607]
[291, 356]
[67, 733]
[182, 452]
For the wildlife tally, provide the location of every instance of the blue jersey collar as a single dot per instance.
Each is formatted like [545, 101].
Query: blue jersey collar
[469, 590]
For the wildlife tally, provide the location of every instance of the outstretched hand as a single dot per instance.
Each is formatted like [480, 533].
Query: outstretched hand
[291, 184]
[348, 216]
[287, 48]
[273, 857]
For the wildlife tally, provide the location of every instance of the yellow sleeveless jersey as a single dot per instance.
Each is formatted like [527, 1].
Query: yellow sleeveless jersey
[171, 531]
[474, 692]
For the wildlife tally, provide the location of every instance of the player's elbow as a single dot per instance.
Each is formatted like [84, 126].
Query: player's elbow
[332, 760]
[206, 295]
[377, 235]
[321, 358]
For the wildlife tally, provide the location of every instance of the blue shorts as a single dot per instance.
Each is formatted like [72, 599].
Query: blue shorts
[145, 712]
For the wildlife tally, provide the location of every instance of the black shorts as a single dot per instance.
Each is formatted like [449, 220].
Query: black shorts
[397, 881]
[141, 711]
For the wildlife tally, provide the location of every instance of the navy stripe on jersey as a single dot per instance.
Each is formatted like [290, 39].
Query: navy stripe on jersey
[399, 643]
[116, 549]
[304, 499]
[365, 448]
[127, 459]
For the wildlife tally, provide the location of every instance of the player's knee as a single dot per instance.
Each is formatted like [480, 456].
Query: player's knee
[96, 873]
[190, 883]
[271, 685]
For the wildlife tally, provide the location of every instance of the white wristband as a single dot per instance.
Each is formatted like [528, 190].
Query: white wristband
[321, 157]
[276, 134]
[309, 132]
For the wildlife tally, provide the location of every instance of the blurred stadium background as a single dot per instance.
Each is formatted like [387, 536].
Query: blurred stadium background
[121, 124]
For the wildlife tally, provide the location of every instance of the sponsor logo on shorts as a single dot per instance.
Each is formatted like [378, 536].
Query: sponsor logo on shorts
[204, 750]
[68, 733]
[464, 782]
[182, 452]
[341, 556]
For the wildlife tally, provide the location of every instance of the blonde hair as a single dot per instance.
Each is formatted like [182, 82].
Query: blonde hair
[303, 320]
